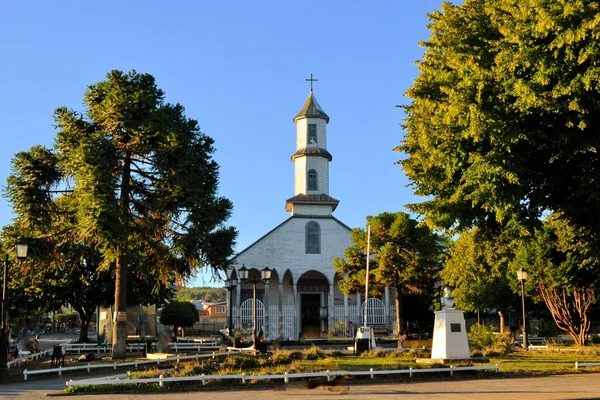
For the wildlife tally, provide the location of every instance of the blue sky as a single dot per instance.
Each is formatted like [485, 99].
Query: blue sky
[239, 68]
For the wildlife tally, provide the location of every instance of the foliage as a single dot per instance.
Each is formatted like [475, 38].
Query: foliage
[241, 362]
[404, 255]
[481, 336]
[477, 269]
[314, 353]
[563, 269]
[142, 187]
[179, 313]
[503, 116]
[68, 318]
[209, 294]
[488, 341]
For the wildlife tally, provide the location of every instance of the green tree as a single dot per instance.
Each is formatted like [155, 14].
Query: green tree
[143, 182]
[477, 267]
[179, 313]
[405, 256]
[563, 269]
[503, 117]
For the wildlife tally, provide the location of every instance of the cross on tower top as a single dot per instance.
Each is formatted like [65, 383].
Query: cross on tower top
[311, 81]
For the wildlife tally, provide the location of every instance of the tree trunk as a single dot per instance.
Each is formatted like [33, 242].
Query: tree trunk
[501, 321]
[398, 312]
[570, 311]
[83, 329]
[84, 322]
[175, 331]
[119, 345]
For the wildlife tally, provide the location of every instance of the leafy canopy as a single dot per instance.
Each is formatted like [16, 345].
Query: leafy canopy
[504, 114]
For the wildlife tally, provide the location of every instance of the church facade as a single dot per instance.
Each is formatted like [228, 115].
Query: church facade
[302, 299]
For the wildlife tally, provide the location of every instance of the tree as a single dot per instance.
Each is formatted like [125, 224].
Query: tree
[405, 256]
[179, 313]
[504, 114]
[477, 267]
[141, 176]
[563, 269]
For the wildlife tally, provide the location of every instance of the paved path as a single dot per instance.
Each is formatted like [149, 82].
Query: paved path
[581, 386]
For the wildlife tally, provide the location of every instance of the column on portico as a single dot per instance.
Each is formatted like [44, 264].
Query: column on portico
[297, 308]
[266, 311]
[238, 295]
[331, 312]
[280, 319]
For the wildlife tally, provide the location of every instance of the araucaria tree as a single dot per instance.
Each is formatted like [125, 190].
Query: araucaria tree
[405, 256]
[143, 181]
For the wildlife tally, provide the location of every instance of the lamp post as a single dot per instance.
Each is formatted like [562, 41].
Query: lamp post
[21, 250]
[265, 275]
[522, 276]
[230, 284]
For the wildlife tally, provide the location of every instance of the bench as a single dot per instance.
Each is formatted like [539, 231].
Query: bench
[537, 347]
[381, 330]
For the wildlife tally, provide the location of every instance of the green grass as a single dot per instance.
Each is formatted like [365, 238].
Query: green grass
[546, 362]
[519, 363]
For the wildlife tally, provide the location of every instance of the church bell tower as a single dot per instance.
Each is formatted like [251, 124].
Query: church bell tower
[311, 162]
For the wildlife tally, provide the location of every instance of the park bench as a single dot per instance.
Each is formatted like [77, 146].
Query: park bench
[537, 347]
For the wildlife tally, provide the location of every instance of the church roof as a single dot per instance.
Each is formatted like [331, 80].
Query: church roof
[312, 151]
[321, 199]
[311, 109]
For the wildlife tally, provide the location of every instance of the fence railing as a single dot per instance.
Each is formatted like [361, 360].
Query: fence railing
[116, 365]
[285, 376]
[590, 364]
[34, 356]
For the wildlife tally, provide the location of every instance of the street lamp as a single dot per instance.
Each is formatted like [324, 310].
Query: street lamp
[522, 276]
[230, 284]
[265, 275]
[21, 250]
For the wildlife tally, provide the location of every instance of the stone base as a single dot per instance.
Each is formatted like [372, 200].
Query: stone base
[462, 361]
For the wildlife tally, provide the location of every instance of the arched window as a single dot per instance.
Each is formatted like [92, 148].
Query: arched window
[312, 134]
[311, 180]
[313, 238]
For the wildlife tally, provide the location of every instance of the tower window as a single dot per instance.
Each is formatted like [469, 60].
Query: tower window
[313, 238]
[311, 180]
[312, 134]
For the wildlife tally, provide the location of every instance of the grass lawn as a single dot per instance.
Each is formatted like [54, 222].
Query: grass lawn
[518, 363]
[547, 362]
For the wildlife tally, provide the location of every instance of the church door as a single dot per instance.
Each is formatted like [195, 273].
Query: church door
[311, 324]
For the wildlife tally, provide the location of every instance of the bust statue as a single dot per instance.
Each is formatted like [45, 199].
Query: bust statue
[447, 300]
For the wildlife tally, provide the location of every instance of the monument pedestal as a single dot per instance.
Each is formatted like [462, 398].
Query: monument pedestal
[450, 336]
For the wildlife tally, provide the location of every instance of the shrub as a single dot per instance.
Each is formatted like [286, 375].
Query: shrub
[194, 369]
[481, 336]
[241, 362]
[281, 357]
[314, 353]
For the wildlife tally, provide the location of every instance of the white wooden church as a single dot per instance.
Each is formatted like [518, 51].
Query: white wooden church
[302, 298]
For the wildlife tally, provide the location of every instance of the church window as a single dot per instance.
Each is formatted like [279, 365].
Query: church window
[311, 180]
[312, 134]
[313, 238]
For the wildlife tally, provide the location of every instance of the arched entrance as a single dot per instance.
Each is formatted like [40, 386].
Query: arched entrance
[246, 315]
[313, 290]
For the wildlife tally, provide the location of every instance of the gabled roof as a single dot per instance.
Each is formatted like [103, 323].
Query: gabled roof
[311, 109]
